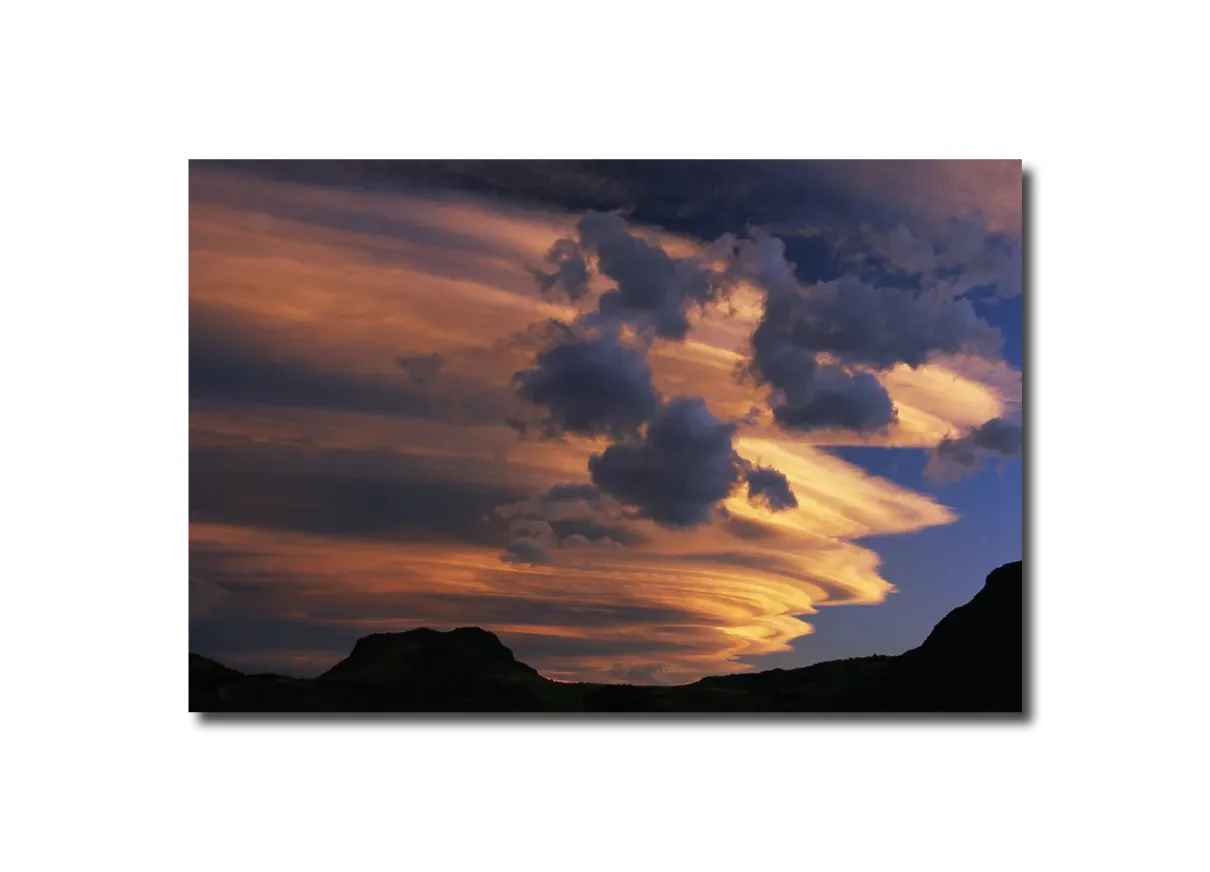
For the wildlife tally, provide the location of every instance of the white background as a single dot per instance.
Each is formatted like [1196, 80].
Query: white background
[104, 103]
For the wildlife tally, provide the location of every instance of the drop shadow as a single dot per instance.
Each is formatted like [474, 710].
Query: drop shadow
[1027, 443]
[706, 719]
[558, 719]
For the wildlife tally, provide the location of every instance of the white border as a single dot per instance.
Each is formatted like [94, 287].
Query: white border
[107, 103]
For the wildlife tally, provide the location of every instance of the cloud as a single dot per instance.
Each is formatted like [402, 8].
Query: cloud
[225, 365]
[420, 368]
[571, 271]
[560, 502]
[608, 530]
[654, 290]
[589, 493]
[963, 256]
[762, 259]
[539, 531]
[836, 398]
[856, 326]
[956, 458]
[859, 323]
[768, 487]
[354, 495]
[238, 360]
[681, 468]
[575, 540]
[746, 528]
[568, 516]
[906, 250]
[592, 386]
[806, 396]
[525, 551]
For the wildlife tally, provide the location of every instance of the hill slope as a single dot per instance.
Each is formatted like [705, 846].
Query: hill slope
[972, 661]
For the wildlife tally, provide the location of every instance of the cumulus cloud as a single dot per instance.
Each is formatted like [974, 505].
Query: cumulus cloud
[570, 274]
[576, 540]
[654, 290]
[906, 250]
[881, 326]
[817, 349]
[589, 493]
[804, 395]
[592, 386]
[761, 258]
[836, 398]
[956, 458]
[964, 256]
[526, 552]
[857, 325]
[769, 488]
[561, 502]
[539, 531]
[682, 467]
[570, 515]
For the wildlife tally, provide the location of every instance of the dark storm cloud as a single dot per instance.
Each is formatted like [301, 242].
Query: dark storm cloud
[857, 324]
[762, 259]
[806, 396]
[768, 487]
[681, 468]
[776, 360]
[566, 516]
[593, 531]
[702, 198]
[908, 251]
[567, 184]
[997, 436]
[836, 398]
[570, 274]
[525, 551]
[354, 494]
[964, 256]
[1000, 436]
[654, 290]
[955, 458]
[592, 386]
[880, 327]
[559, 502]
[825, 199]
[592, 383]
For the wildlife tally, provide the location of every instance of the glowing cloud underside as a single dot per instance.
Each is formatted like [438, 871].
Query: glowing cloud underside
[343, 283]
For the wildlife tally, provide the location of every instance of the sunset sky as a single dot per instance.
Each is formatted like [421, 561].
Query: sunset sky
[646, 421]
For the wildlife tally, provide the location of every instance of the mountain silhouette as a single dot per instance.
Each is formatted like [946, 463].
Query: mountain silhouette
[972, 661]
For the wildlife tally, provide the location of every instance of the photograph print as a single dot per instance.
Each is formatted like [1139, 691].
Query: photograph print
[526, 437]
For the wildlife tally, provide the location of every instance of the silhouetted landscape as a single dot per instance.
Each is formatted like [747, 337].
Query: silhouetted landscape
[972, 661]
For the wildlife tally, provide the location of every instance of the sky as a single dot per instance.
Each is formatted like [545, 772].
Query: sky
[645, 420]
